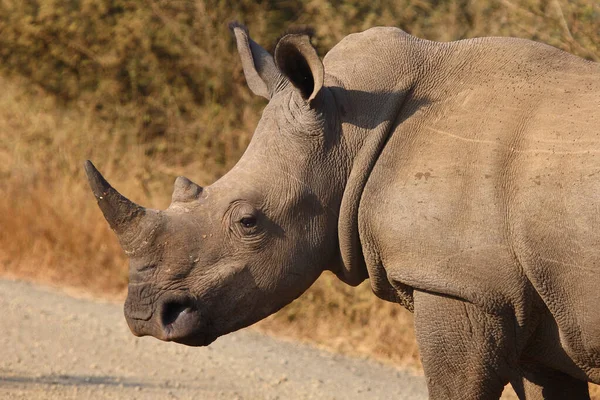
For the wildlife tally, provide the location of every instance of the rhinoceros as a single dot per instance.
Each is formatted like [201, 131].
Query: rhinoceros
[461, 179]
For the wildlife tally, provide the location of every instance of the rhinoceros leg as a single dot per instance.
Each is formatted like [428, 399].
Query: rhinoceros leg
[538, 383]
[466, 353]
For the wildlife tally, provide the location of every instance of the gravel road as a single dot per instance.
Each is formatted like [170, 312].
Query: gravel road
[53, 346]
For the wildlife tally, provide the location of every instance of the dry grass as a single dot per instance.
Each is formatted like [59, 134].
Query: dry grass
[48, 231]
[350, 320]
[151, 90]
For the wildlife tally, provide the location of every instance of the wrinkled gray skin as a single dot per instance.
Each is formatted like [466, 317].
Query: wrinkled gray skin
[462, 179]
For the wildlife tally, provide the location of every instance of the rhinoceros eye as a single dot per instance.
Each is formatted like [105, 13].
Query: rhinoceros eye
[248, 222]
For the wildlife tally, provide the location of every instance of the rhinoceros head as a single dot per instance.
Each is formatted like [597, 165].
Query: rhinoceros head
[225, 256]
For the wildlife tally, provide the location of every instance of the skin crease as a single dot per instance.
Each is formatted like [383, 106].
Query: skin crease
[459, 178]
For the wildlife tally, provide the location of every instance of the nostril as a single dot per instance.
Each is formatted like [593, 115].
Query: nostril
[171, 311]
[179, 320]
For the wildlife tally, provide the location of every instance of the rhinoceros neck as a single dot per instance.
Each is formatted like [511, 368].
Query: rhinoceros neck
[372, 77]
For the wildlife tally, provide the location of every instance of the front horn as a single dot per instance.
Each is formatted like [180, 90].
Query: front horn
[121, 213]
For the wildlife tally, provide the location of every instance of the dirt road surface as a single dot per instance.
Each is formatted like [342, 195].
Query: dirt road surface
[54, 346]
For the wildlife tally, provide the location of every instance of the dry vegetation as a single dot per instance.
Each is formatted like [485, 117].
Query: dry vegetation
[153, 89]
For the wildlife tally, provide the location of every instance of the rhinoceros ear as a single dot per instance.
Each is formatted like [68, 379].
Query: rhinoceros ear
[261, 74]
[296, 57]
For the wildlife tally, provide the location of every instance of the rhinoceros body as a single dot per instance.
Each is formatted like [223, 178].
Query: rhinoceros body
[462, 179]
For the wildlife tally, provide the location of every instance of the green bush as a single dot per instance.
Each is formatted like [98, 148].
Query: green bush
[157, 62]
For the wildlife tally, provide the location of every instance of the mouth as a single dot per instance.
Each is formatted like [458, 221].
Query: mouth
[198, 340]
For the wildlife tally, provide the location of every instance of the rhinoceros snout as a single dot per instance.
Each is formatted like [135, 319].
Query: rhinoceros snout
[176, 319]
[181, 322]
